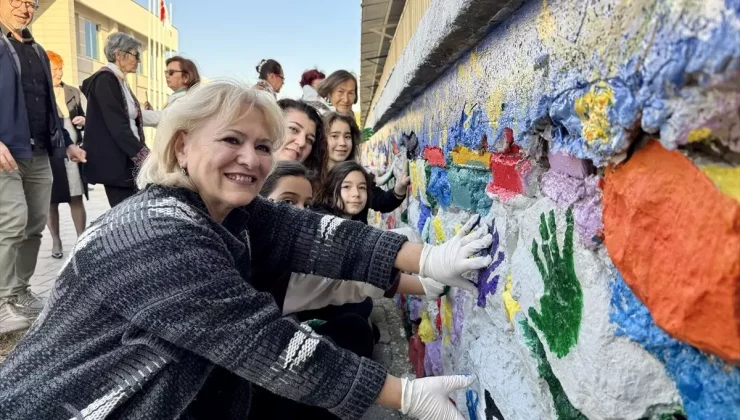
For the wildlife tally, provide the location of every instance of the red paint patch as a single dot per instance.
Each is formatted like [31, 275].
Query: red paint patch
[396, 150]
[391, 222]
[438, 319]
[507, 168]
[676, 240]
[435, 156]
[416, 355]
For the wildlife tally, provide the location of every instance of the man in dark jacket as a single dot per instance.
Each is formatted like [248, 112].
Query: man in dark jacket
[30, 131]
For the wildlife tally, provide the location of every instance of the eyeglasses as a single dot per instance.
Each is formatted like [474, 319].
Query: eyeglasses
[16, 4]
[172, 72]
[136, 55]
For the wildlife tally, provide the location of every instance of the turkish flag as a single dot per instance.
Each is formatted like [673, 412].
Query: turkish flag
[162, 11]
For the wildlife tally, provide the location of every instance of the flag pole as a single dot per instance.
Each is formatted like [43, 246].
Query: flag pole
[149, 51]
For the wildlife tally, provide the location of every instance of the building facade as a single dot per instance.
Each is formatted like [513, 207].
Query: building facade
[77, 30]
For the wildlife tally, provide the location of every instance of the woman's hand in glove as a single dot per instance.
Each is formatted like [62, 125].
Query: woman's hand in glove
[447, 262]
[429, 398]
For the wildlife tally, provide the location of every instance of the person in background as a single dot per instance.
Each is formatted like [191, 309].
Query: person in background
[340, 89]
[343, 140]
[310, 80]
[30, 132]
[181, 74]
[114, 133]
[171, 327]
[271, 77]
[305, 139]
[300, 294]
[68, 185]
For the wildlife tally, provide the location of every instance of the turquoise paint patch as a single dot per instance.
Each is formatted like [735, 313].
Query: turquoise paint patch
[709, 388]
[468, 187]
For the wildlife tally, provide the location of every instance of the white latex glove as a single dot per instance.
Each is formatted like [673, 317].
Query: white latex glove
[429, 398]
[432, 288]
[447, 262]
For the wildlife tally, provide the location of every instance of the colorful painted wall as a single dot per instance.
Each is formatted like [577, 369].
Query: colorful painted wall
[600, 140]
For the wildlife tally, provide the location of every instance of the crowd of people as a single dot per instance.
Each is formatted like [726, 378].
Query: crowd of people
[233, 276]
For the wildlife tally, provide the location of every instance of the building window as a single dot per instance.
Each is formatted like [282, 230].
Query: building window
[90, 39]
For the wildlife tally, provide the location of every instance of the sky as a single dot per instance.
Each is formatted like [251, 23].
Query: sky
[228, 38]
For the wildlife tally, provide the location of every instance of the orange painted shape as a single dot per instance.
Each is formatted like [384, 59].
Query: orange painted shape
[676, 240]
[462, 155]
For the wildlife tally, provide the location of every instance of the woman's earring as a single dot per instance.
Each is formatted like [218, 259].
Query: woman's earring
[184, 170]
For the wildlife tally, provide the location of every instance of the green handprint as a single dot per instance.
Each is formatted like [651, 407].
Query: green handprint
[562, 304]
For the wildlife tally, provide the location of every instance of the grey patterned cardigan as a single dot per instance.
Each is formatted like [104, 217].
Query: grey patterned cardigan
[155, 298]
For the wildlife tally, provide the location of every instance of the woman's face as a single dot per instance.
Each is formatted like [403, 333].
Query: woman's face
[339, 142]
[57, 72]
[294, 190]
[276, 81]
[176, 79]
[128, 61]
[228, 164]
[315, 83]
[343, 96]
[354, 193]
[299, 138]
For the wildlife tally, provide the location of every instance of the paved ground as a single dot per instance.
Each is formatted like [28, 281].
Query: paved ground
[391, 351]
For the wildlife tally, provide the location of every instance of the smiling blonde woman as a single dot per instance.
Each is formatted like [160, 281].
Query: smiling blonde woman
[153, 315]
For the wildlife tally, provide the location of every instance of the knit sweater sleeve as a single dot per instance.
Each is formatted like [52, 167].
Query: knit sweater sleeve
[286, 238]
[179, 281]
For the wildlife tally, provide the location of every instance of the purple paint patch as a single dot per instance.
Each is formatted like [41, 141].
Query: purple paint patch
[458, 315]
[433, 365]
[564, 190]
[487, 280]
[399, 302]
[568, 165]
[414, 308]
[589, 223]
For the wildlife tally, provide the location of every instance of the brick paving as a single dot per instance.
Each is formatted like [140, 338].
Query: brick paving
[391, 351]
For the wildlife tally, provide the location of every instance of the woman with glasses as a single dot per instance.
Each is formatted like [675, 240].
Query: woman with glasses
[181, 75]
[271, 78]
[114, 130]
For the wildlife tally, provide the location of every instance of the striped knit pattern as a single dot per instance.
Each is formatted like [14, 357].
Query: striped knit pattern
[155, 294]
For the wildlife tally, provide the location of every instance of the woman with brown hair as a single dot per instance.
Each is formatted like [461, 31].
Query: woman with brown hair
[343, 140]
[181, 75]
[340, 89]
[271, 78]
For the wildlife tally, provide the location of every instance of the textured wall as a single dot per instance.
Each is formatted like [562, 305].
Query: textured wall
[600, 140]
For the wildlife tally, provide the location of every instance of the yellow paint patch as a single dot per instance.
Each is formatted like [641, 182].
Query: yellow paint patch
[417, 179]
[493, 106]
[475, 64]
[439, 231]
[511, 305]
[443, 137]
[545, 23]
[462, 155]
[727, 180]
[699, 134]
[458, 228]
[446, 310]
[593, 109]
[468, 109]
[426, 332]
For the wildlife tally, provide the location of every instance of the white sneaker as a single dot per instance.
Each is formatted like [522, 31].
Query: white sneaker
[10, 319]
[29, 304]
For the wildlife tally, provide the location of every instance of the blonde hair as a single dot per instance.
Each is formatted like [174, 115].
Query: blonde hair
[223, 100]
